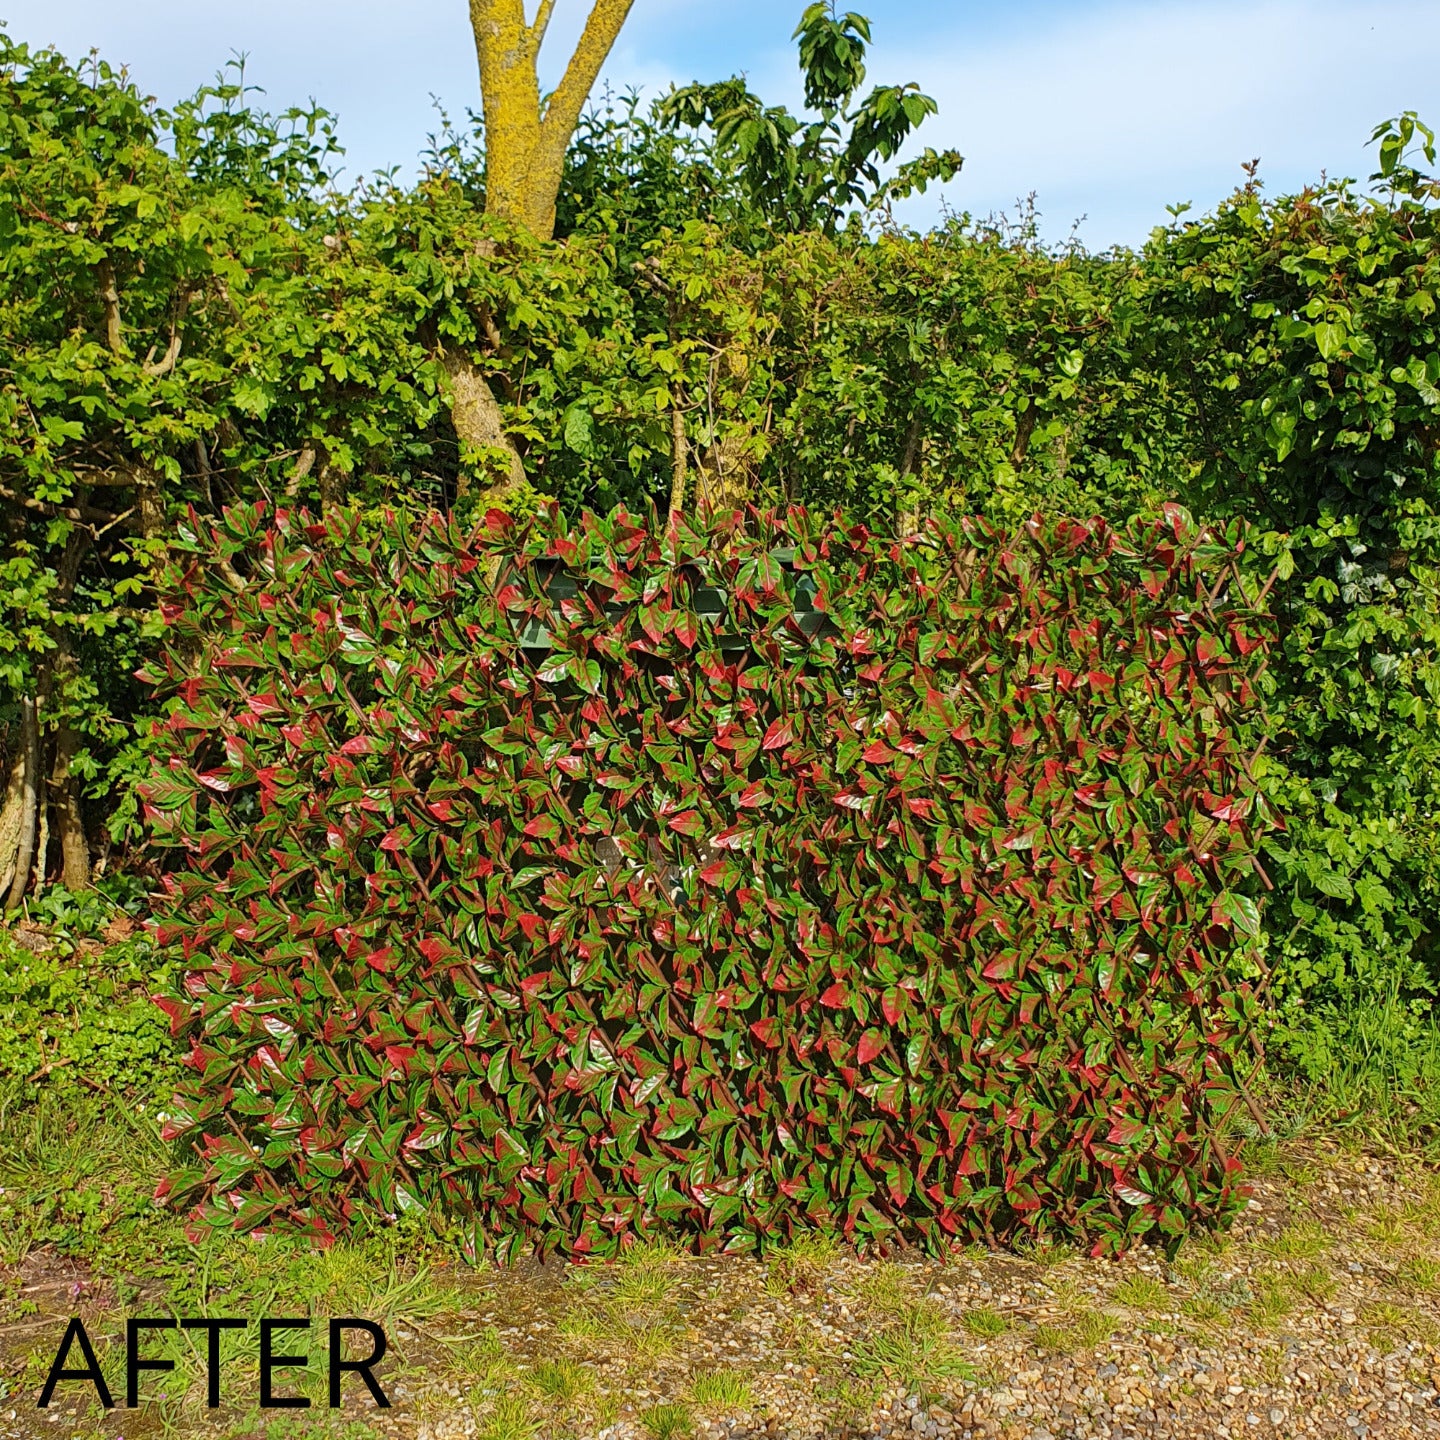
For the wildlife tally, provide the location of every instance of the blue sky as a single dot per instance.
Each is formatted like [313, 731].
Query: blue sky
[1110, 109]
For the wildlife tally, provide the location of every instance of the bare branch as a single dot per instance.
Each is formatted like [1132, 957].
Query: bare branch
[303, 467]
[80, 514]
[562, 114]
[110, 296]
[542, 23]
[167, 361]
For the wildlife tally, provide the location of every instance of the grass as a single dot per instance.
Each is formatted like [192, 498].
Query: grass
[1274, 1299]
[909, 1341]
[628, 1305]
[1303, 1241]
[1083, 1331]
[721, 1390]
[1047, 1253]
[884, 1285]
[668, 1422]
[1418, 1274]
[1140, 1292]
[77, 1171]
[1388, 1228]
[509, 1418]
[1369, 1067]
[480, 1361]
[562, 1380]
[985, 1323]
[913, 1348]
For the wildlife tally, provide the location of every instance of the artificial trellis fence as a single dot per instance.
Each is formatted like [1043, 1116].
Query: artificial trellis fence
[583, 881]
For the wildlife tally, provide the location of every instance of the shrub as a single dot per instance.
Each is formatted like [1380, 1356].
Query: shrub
[76, 1010]
[924, 914]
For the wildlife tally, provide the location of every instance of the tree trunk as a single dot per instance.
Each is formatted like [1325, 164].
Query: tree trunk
[149, 502]
[69, 813]
[32, 808]
[480, 424]
[25, 811]
[332, 488]
[729, 477]
[679, 457]
[525, 147]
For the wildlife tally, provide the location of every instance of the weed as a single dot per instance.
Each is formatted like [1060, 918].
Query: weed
[1316, 1283]
[1093, 1327]
[1084, 1328]
[1304, 1241]
[984, 1323]
[1418, 1273]
[885, 1286]
[913, 1349]
[1204, 1309]
[1273, 1366]
[1055, 1339]
[581, 1323]
[1387, 1228]
[1140, 1292]
[1383, 1313]
[561, 1380]
[481, 1359]
[1047, 1253]
[652, 1341]
[510, 1418]
[721, 1390]
[667, 1422]
[1274, 1298]
[800, 1267]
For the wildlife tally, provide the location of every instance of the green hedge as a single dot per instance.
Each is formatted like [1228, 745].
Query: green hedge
[933, 921]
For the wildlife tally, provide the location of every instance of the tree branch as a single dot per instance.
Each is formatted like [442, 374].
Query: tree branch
[542, 23]
[303, 467]
[110, 295]
[562, 114]
[80, 514]
[166, 363]
[479, 422]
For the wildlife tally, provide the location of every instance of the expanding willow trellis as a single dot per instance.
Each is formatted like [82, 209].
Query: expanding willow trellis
[960, 877]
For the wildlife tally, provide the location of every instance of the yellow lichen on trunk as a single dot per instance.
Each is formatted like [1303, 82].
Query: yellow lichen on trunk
[524, 145]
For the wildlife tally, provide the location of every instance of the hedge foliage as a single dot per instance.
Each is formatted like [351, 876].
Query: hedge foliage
[928, 916]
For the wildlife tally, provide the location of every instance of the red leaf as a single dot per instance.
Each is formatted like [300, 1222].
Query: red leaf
[836, 997]
[764, 1031]
[872, 1042]
[779, 735]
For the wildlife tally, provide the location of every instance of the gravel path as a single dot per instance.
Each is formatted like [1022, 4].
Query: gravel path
[1319, 1315]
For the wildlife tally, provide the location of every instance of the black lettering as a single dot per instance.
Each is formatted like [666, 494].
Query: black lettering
[269, 1363]
[134, 1364]
[92, 1372]
[212, 1357]
[361, 1367]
